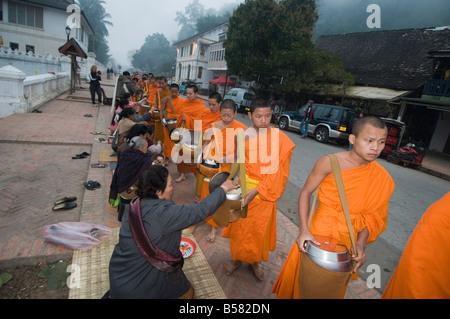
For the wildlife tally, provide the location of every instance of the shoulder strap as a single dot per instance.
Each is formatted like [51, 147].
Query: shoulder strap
[342, 196]
[171, 106]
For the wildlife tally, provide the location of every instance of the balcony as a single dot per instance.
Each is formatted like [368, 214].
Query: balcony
[216, 59]
[437, 89]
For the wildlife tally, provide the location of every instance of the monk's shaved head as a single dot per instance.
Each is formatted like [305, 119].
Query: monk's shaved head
[359, 125]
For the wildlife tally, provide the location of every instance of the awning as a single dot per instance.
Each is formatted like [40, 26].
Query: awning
[222, 80]
[72, 47]
[365, 92]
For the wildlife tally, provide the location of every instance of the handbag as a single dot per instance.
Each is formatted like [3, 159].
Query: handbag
[315, 281]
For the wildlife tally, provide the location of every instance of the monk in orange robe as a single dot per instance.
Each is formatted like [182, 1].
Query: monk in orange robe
[162, 92]
[422, 272]
[368, 188]
[267, 157]
[227, 127]
[192, 111]
[170, 109]
[152, 87]
[210, 116]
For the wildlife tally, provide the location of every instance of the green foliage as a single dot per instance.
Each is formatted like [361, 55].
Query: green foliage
[156, 55]
[4, 278]
[271, 42]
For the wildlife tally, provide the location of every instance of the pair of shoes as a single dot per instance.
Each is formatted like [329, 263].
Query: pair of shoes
[36, 111]
[88, 115]
[82, 155]
[94, 104]
[91, 185]
[65, 203]
[100, 140]
[99, 165]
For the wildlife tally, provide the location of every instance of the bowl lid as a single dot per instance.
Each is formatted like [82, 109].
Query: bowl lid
[330, 244]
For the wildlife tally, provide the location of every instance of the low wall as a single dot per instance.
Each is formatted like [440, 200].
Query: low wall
[22, 94]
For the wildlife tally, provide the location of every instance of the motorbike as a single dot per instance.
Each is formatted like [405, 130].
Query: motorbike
[410, 155]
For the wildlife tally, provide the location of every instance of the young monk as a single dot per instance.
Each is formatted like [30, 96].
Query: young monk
[267, 157]
[210, 116]
[171, 107]
[422, 272]
[368, 188]
[227, 126]
[152, 87]
[192, 111]
[162, 92]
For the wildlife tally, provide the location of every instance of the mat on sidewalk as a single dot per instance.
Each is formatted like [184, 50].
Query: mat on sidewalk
[90, 275]
[103, 156]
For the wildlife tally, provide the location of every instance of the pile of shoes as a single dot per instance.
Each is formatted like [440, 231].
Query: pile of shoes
[65, 203]
[91, 185]
[82, 155]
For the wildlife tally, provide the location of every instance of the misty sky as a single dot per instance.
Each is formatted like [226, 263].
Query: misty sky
[134, 20]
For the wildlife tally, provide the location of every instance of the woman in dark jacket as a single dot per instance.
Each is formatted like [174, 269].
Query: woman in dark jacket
[156, 222]
[95, 77]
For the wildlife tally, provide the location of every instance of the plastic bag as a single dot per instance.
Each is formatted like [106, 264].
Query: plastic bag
[76, 235]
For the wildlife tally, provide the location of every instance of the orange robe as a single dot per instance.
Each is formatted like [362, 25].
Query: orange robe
[226, 153]
[159, 128]
[208, 118]
[194, 112]
[422, 272]
[168, 143]
[151, 95]
[267, 160]
[368, 189]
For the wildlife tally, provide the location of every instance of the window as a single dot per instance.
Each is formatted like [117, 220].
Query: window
[14, 46]
[25, 15]
[1, 10]
[202, 50]
[191, 49]
[182, 51]
[200, 72]
[29, 48]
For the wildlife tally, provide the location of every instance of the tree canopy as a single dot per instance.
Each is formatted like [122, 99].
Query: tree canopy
[270, 42]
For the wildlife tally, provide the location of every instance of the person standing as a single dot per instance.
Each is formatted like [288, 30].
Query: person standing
[94, 85]
[368, 187]
[268, 154]
[307, 116]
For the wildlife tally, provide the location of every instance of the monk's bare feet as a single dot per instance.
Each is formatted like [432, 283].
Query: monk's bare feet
[212, 235]
[259, 273]
[181, 178]
[229, 267]
[196, 199]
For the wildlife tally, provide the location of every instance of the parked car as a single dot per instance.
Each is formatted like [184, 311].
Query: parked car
[242, 97]
[329, 121]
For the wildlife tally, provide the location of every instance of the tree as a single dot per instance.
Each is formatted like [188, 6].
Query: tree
[98, 19]
[188, 19]
[156, 55]
[270, 42]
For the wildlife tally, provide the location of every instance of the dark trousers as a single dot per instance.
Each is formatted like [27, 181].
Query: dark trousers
[96, 89]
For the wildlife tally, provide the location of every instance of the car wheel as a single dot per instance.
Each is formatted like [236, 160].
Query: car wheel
[321, 135]
[283, 124]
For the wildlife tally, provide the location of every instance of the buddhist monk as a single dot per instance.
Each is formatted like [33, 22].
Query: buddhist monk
[267, 157]
[170, 108]
[225, 151]
[152, 87]
[368, 188]
[162, 92]
[210, 116]
[422, 272]
[193, 109]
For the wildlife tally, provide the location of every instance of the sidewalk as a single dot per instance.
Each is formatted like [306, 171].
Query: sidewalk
[37, 168]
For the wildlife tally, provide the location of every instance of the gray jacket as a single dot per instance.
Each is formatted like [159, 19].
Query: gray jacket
[122, 83]
[130, 274]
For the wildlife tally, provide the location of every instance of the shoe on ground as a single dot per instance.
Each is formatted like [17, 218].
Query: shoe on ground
[65, 200]
[65, 206]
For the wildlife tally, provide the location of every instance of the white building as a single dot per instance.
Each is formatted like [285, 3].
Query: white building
[39, 26]
[201, 58]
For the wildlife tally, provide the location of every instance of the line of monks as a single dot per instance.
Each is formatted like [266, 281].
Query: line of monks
[368, 188]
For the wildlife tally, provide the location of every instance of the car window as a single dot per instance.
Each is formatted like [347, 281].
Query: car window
[249, 96]
[348, 117]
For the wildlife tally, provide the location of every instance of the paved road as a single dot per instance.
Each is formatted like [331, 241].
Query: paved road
[415, 191]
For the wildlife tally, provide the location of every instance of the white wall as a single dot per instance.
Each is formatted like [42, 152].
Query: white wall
[441, 133]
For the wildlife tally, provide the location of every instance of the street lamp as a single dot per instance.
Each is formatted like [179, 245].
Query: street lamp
[68, 32]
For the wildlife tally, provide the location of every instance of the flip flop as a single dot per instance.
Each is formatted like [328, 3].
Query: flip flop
[91, 185]
[65, 206]
[65, 199]
[99, 165]
[78, 156]
[98, 133]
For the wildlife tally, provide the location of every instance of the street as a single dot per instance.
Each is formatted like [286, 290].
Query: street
[415, 191]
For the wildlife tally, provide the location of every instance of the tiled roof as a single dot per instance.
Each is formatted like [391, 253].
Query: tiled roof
[395, 59]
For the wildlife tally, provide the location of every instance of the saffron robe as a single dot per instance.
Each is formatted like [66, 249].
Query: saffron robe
[159, 128]
[168, 143]
[208, 118]
[194, 112]
[368, 189]
[151, 95]
[267, 160]
[227, 154]
[422, 272]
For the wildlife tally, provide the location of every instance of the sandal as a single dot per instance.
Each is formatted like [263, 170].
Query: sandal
[91, 185]
[99, 165]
